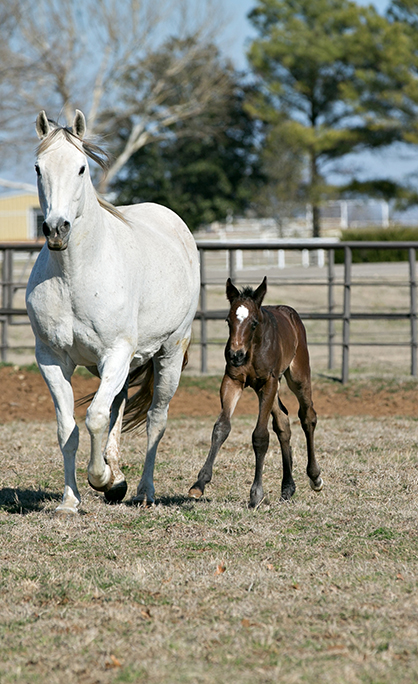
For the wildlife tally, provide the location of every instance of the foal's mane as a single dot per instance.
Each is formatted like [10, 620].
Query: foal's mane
[96, 153]
[247, 292]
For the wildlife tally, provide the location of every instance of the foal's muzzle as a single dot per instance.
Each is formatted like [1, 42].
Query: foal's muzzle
[57, 234]
[236, 358]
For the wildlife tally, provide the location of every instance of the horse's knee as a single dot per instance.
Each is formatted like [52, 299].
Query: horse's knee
[308, 418]
[282, 431]
[221, 429]
[260, 439]
[96, 419]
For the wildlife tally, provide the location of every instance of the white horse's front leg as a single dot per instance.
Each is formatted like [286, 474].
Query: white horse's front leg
[114, 373]
[112, 449]
[57, 375]
[167, 371]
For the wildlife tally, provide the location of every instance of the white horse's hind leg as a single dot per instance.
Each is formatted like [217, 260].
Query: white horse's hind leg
[113, 378]
[167, 371]
[57, 376]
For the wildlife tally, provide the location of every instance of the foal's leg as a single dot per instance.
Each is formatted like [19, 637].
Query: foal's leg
[266, 397]
[281, 427]
[167, 372]
[299, 381]
[57, 374]
[231, 391]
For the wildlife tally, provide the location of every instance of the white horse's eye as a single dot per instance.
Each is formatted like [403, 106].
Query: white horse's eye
[83, 168]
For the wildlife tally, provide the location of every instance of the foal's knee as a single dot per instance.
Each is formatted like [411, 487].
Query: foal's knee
[308, 418]
[221, 429]
[260, 439]
[282, 430]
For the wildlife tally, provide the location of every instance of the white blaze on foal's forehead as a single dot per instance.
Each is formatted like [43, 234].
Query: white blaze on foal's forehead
[242, 313]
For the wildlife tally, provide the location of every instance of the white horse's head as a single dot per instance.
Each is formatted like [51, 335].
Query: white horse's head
[63, 177]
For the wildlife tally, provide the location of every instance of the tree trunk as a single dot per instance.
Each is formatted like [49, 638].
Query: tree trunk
[316, 218]
[316, 221]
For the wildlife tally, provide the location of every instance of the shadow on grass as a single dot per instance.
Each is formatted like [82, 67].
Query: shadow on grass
[177, 501]
[23, 501]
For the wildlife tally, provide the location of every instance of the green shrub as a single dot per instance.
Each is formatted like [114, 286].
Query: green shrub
[393, 234]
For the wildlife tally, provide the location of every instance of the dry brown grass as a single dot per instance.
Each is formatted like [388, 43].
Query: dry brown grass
[321, 589]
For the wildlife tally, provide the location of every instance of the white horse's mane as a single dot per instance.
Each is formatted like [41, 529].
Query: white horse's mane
[93, 151]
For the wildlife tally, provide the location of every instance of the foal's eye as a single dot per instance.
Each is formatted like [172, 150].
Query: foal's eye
[254, 325]
[83, 168]
[38, 170]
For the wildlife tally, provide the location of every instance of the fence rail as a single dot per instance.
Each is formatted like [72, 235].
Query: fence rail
[234, 250]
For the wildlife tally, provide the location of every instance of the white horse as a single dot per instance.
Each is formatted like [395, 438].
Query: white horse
[116, 291]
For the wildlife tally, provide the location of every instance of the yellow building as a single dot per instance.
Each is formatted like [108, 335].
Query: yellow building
[20, 217]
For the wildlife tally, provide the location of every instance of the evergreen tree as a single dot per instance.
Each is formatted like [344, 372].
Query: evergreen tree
[334, 78]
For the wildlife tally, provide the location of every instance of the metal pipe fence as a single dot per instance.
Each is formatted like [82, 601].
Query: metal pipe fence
[12, 282]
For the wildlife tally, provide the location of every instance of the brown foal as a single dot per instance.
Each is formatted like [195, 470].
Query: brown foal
[265, 343]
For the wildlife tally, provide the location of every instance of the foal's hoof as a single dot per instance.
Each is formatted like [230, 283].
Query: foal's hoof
[117, 492]
[256, 497]
[287, 492]
[143, 502]
[195, 492]
[317, 484]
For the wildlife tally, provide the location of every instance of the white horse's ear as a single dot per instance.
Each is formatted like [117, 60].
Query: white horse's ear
[42, 125]
[79, 124]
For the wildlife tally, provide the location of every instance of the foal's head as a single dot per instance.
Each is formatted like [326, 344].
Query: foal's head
[243, 319]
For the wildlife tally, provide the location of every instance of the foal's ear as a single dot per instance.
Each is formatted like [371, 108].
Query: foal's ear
[260, 292]
[231, 291]
[79, 124]
[42, 125]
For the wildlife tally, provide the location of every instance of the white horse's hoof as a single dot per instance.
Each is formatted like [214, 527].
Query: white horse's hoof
[64, 510]
[117, 492]
[69, 503]
[102, 483]
[318, 485]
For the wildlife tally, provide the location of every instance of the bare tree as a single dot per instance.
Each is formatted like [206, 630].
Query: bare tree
[127, 64]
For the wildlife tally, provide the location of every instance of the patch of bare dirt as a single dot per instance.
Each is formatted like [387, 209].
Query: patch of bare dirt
[25, 396]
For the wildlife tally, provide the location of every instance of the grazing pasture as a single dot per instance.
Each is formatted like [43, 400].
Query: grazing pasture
[322, 588]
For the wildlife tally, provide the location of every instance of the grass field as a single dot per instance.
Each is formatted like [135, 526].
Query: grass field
[322, 589]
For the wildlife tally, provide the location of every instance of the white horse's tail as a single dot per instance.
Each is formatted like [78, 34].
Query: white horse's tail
[137, 406]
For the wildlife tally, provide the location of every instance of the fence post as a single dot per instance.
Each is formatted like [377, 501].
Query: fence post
[203, 321]
[413, 310]
[331, 324]
[7, 299]
[346, 313]
[232, 264]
